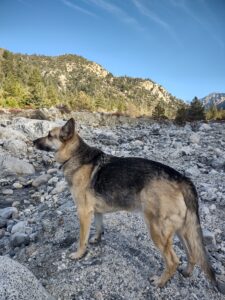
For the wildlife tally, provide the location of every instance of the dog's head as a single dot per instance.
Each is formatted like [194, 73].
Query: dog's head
[57, 137]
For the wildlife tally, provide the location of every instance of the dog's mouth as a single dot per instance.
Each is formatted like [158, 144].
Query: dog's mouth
[41, 146]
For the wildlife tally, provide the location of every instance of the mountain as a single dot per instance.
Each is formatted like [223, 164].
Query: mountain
[217, 99]
[71, 80]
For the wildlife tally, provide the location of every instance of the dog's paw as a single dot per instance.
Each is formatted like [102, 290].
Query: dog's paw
[184, 271]
[156, 281]
[77, 255]
[95, 240]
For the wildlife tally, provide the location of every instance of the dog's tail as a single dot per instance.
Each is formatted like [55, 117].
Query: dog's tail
[192, 234]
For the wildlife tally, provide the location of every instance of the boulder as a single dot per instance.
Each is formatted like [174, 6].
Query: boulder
[34, 128]
[17, 282]
[15, 147]
[8, 212]
[7, 133]
[10, 165]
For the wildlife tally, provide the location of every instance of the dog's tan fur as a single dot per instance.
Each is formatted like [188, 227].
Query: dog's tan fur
[162, 202]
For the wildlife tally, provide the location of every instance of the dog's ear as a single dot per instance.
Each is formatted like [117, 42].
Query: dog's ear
[67, 131]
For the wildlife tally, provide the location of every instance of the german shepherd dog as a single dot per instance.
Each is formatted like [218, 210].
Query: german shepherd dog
[102, 183]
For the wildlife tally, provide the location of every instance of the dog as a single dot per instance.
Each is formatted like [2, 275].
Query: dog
[102, 183]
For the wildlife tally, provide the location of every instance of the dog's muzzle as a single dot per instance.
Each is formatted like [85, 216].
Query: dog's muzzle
[39, 144]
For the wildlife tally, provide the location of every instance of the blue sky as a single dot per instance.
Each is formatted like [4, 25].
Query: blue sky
[177, 43]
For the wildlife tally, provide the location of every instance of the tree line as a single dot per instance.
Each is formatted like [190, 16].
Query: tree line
[190, 113]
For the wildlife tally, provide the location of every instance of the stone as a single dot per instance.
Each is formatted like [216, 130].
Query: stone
[19, 227]
[7, 192]
[61, 186]
[16, 147]
[8, 212]
[18, 283]
[34, 128]
[192, 171]
[218, 164]
[18, 239]
[209, 237]
[42, 179]
[205, 210]
[17, 185]
[194, 138]
[205, 127]
[52, 171]
[7, 134]
[10, 165]
[3, 222]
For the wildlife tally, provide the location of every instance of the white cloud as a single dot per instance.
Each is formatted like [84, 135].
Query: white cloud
[151, 15]
[78, 8]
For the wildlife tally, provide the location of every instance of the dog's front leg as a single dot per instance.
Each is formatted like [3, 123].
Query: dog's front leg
[98, 227]
[85, 217]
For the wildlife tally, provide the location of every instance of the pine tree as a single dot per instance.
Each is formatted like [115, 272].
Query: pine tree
[196, 111]
[212, 113]
[181, 115]
[159, 111]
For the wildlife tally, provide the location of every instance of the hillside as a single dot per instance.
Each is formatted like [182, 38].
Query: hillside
[71, 80]
[217, 99]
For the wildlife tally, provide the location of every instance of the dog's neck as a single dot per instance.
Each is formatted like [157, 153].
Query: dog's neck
[76, 153]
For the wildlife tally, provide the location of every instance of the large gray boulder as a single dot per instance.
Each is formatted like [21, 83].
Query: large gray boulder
[15, 147]
[10, 165]
[18, 283]
[34, 128]
[7, 133]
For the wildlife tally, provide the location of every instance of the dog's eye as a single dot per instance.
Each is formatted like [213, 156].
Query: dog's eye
[49, 134]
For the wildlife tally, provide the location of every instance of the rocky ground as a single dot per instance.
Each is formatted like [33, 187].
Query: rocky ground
[39, 227]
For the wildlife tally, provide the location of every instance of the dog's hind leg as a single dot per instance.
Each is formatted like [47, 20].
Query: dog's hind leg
[162, 237]
[187, 271]
[85, 217]
[98, 220]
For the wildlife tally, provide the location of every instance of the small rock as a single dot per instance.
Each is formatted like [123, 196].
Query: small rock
[60, 187]
[42, 179]
[213, 207]
[8, 212]
[17, 185]
[209, 237]
[194, 138]
[205, 210]
[3, 222]
[15, 204]
[52, 171]
[53, 180]
[192, 171]
[98, 295]
[2, 233]
[7, 192]
[205, 127]
[19, 227]
[18, 239]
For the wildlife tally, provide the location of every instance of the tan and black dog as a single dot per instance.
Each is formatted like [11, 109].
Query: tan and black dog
[102, 183]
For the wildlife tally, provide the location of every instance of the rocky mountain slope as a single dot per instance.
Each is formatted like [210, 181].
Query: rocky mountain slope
[217, 99]
[38, 220]
[43, 81]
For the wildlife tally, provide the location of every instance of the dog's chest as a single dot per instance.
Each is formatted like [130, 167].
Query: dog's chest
[79, 180]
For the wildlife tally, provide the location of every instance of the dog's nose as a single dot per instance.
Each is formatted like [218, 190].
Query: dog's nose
[35, 142]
